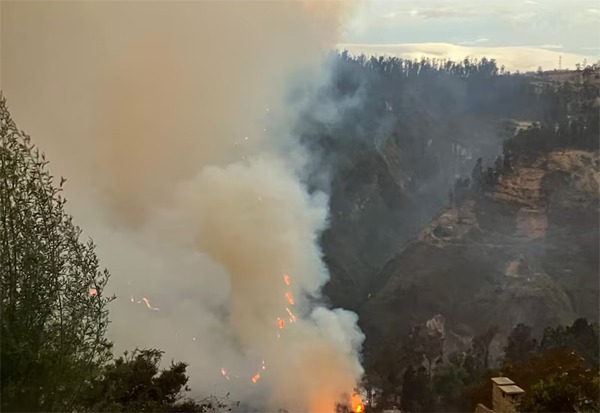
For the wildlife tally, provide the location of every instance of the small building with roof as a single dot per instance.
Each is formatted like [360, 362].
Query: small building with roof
[505, 396]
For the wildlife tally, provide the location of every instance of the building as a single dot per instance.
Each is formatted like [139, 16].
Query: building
[505, 396]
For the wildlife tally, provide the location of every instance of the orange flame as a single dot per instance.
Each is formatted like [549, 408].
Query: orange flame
[290, 298]
[357, 404]
[255, 378]
[280, 322]
[287, 279]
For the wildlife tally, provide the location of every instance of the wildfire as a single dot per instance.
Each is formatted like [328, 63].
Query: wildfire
[93, 292]
[290, 298]
[357, 404]
[287, 279]
[280, 323]
[255, 378]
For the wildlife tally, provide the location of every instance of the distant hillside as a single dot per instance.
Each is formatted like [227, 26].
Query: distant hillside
[392, 136]
[525, 250]
[398, 141]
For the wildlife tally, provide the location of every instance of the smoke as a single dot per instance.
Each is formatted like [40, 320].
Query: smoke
[164, 117]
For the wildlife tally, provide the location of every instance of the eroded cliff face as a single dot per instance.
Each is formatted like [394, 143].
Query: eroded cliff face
[523, 250]
[381, 197]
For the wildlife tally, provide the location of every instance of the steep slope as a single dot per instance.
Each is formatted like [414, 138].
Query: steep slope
[389, 137]
[383, 193]
[523, 250]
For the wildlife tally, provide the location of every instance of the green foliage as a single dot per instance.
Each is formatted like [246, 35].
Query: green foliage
[481, 346]
[554, 375]
[569, 118]
[582, 337]
[555, 393]
[448, 385]
[54, 312]
[386, 374]
[480, 391]
[520, 344]
[416, 391]
[556, 381]
[135, 383]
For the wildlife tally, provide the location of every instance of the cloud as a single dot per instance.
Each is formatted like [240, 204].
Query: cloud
[476, 41]
[461, 11]
[550, 46]
[442, 11]
[445, 12]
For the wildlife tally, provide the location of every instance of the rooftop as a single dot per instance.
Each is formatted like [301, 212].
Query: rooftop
[502, 381]
[512, 389]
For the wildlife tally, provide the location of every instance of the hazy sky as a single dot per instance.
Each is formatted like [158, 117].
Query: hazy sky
[566, 26]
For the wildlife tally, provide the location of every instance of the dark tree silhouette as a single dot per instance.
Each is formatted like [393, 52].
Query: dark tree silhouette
[53, 306]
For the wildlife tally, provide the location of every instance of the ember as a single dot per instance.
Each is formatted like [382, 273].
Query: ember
[287, 279]
[147, 302]
[224, 373]
[290, 298]
[292, 316]
[255, 378]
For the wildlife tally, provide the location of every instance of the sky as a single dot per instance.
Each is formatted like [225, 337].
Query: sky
[558, 26]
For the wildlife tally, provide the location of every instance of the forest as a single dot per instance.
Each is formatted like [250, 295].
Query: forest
[457, 127]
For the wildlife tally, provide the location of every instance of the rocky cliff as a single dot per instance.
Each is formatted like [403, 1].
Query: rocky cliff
[525, 249]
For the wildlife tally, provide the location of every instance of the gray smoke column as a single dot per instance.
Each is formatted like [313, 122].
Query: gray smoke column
[156, 113]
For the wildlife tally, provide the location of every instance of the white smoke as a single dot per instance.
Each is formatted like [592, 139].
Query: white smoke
[156, 112]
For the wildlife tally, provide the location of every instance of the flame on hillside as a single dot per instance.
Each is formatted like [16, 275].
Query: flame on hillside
[357, 404]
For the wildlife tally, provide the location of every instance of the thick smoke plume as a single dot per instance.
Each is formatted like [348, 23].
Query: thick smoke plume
[156, 113]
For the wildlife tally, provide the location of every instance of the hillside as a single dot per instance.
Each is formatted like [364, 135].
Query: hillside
[523, 250]
[393, 136]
